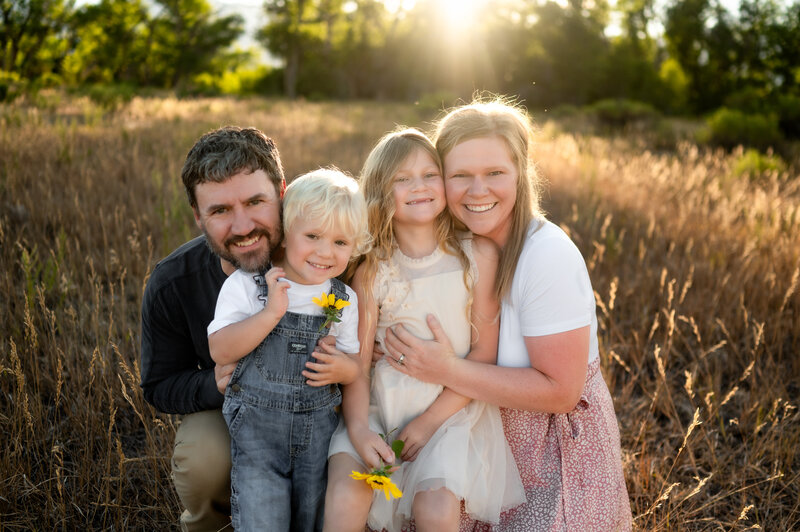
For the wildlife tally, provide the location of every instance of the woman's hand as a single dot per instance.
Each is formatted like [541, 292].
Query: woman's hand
[416, 434]
[426, 360]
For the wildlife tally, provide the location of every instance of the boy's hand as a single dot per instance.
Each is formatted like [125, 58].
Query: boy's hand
[416, 434]
[277, 296]
[332, 366]
[371, 447]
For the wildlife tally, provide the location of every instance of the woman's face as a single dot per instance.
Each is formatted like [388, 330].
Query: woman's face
[481, 186]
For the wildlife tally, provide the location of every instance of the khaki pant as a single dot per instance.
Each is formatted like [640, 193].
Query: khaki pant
[201, 471]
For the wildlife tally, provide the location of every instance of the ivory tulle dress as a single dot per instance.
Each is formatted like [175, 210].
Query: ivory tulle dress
[468, 454]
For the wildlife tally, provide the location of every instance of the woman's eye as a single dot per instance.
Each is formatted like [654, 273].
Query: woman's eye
[496, 172]
[311, 236]
[341, 242]
[431, 175]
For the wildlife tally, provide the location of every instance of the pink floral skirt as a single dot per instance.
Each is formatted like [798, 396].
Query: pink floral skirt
[571, 465]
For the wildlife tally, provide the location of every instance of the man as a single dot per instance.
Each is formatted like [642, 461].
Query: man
[234, 180]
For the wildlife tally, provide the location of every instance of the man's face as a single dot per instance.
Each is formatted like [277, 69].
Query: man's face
[241, 218]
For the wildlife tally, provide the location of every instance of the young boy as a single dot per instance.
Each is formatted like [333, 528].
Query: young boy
[280, 422]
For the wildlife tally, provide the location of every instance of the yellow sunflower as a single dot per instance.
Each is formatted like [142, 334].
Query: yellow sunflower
[331, 307]
[379, 482]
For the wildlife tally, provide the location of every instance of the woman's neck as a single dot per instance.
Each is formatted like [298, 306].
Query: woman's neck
[416, 241]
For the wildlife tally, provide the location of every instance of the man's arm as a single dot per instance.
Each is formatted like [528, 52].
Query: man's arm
[173, 379]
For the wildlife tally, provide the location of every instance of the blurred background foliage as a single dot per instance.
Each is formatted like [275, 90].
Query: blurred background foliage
[738, 66]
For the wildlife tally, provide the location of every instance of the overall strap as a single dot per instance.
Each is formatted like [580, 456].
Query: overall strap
[261, 284]
[339, 289]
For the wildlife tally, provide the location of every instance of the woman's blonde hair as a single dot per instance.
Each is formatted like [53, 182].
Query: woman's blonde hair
[383, 162]
[333, 198]
[497, 117]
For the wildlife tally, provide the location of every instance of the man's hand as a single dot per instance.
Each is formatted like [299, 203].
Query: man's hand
[222, 375]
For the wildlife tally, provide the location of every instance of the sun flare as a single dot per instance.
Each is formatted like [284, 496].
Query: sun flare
[461, 14]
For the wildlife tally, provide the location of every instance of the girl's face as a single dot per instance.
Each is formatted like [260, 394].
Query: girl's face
[418, 190]
[315, 254]
[481, 183]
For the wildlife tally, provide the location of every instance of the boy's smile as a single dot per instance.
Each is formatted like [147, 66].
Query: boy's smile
[315, 253]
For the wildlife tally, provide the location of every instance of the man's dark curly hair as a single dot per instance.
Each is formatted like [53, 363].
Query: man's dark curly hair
[220, 154]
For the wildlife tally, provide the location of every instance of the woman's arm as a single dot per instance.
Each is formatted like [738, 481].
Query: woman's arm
[483, 349]
[552, 384]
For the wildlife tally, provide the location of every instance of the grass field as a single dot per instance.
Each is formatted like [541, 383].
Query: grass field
[695, 271]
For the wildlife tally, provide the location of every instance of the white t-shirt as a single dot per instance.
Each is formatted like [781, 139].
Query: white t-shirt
[550, 293]
[238, 299]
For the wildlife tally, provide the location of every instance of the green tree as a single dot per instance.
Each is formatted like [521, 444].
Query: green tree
[109, 43]
[32, 35]
[186, 38]
[297, 31]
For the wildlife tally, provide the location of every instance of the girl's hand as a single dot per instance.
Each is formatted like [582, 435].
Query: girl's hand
[371, 447]
[333, 366]
[277, 296]
[426, 360]
[416, 434]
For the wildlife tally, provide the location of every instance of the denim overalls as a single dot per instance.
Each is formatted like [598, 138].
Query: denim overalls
[280, 428]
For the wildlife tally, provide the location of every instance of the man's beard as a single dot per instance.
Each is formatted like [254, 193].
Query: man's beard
[252, 262]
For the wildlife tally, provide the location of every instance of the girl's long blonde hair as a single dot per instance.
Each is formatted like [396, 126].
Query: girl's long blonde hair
[377, 180]
[496, 117]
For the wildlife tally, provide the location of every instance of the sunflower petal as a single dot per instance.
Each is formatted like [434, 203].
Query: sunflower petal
[341, 304]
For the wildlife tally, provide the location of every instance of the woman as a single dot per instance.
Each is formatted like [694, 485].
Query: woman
[557, 412]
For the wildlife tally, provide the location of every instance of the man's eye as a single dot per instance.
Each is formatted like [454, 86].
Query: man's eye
[256, 202]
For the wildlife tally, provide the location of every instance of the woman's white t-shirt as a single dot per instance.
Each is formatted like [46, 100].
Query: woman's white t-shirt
[238, 299]
[550, 293]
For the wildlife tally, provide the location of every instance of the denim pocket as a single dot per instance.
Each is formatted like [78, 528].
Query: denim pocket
[233, 412]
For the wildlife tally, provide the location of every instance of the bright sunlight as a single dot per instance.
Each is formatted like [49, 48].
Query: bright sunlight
[458, 14]
[461, 14]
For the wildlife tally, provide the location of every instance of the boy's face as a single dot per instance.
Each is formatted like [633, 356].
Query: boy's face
[315, 254]
[241, 219]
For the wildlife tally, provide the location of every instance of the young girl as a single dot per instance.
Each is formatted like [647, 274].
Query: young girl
[280, 425]
[454, 449]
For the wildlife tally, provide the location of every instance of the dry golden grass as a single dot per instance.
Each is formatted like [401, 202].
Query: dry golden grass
[695, 270]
